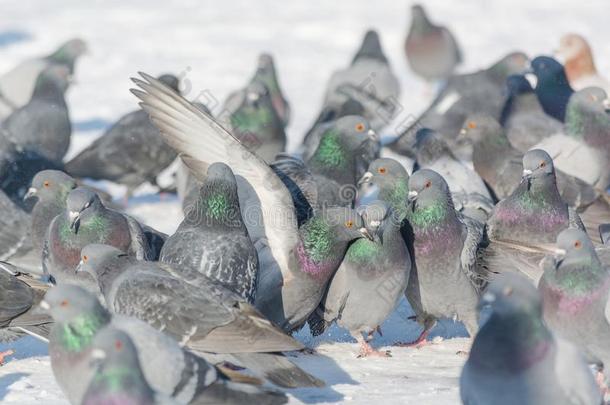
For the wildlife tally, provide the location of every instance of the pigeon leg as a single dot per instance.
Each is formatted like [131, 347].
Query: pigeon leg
[5, 354]
[601, 383]
[367, 350]
[421, 340]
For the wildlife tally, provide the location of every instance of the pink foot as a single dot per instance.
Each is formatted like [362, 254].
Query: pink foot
[417, 343]
[5, 354]
[601, 383]
[367, 351]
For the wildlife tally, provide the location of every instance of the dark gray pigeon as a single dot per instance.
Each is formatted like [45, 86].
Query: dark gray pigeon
[575, 288]
[431, 50]
[515, 359]
[19, 298]
[266, 74]
[251, 117]
[446, 281]
[86, 220]
[212, 240]
[462, 95]
[552, 87]
[369, 282]
[17, 85]
[207, 318]
[15, 229]
[295, 264]
[168, 369]
[523, 118]
[42, 126]
[130, 152]
[368, 87]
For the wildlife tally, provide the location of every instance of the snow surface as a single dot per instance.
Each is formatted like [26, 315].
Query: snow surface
[213, 46]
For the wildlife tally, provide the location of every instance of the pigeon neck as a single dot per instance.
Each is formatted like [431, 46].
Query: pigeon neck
[364, 251]
[108, 272]
[249, 121]
[332, 159]
[63, 57]
[217, 206]
[78, 334]
[511, 344]
[433, 215]
[579, 276]
[48, 89]
[319, 252]
[395, 194]
[122, 383]
[588, 124]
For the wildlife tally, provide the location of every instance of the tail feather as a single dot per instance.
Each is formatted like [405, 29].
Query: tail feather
[278, 369]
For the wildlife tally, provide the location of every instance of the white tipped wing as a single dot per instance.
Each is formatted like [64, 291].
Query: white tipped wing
[265, 202]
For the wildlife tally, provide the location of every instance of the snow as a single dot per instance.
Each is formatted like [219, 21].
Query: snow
[213, 46]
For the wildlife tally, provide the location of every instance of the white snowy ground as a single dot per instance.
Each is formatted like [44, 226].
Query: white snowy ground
[214, 45]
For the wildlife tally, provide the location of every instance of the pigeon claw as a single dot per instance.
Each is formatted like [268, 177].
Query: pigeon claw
[5, 354]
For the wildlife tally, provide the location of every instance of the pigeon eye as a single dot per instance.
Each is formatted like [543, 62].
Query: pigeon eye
[118, 345]
[577, 244]
[46, 183]
[428, 184]
[543, 164]
[593, 97]
[64, 303]
[381, 170]
[349, 224]
[508, 291]
[360, 127]
[85, 258]
[472, 124]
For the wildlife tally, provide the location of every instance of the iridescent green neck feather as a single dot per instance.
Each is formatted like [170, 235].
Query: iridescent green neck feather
[318, 237]
[93, 229]
[363, 251]
[430, 215]
[330, 152]
[79, 333]
[396, 195]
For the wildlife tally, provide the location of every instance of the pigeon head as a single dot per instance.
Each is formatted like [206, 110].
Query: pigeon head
[574, 248]
[510, 295]
[518, 84]
[256, 94]
[428, 189]
[71, 304]
[590, 98]
[370, 48]
[94, 257]
[481, 132]
[265, 72]
[384, 173]
[418, 15]
[56, 77]
[170, 81]
[573, 46]
[51, 186]
[430, 146]
[355, 130]
[113, 346]
[513, 63]
[345, 223]
[69, 52]
[537, 166]
[82, 204]
[549, 72]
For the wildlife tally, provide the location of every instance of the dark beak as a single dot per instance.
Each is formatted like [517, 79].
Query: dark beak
[74, 220]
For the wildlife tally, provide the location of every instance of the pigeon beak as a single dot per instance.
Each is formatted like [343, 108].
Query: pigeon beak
[412, 198]
[31, 193]
[606, 104]
[527, 173]
[98, 354]
[79, 268]
[43, 308]
[463, 132]
[365, 233]
[74, 218]
[532, 78]
[252, 96]
[487, 299]
[560, 254]
[373, 135]
[365, 179]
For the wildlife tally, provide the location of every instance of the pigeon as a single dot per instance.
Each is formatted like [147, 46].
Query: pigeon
[578, 63]
[481, 91]
[575, 288]
[370, 281]
[446, 281]
[552, 86]
[130, 152]
[21, 294]
[523, 118]
[212, 240]
[42, 126]
[516, 359]
[368, 87]
[169, 369]
[433, 153]
[205, 317]
[431, 50]
[251, 117]
[604, 233]
[17, 85]
[500, 164]
[340, 156]
[391, 180]
[86, 220]
[294, 264]
[15, 229]
[266, 74]
[583, 150]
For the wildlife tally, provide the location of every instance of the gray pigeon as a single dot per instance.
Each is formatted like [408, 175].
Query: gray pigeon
[431, 50]
[266, 74]
[21, 294]
[17, 85]
[446, 281]
[207, 318]
[462, 95]
[583, 151]
[86, 220]
[575, 288]
[295, 264]
[368, 87]
[523, 118]
[515, 359]
[391, 181]
[130, 152]
[42, 126]
[370, 281]
[251, 117]
[169, 369]
[212, 240]
[15, 229]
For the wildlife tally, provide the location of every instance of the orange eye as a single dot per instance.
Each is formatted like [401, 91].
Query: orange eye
[543, 164]
[381, 170]
[428, 184]
[349, 224]
[64, 303]
[472, 124]
[360, 127]
[118, 345]
[46, 183]
[577, 244]
[508, 291]
[593, 97]
[85, 258]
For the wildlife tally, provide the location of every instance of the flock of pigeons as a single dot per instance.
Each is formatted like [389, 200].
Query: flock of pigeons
[504, 210]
